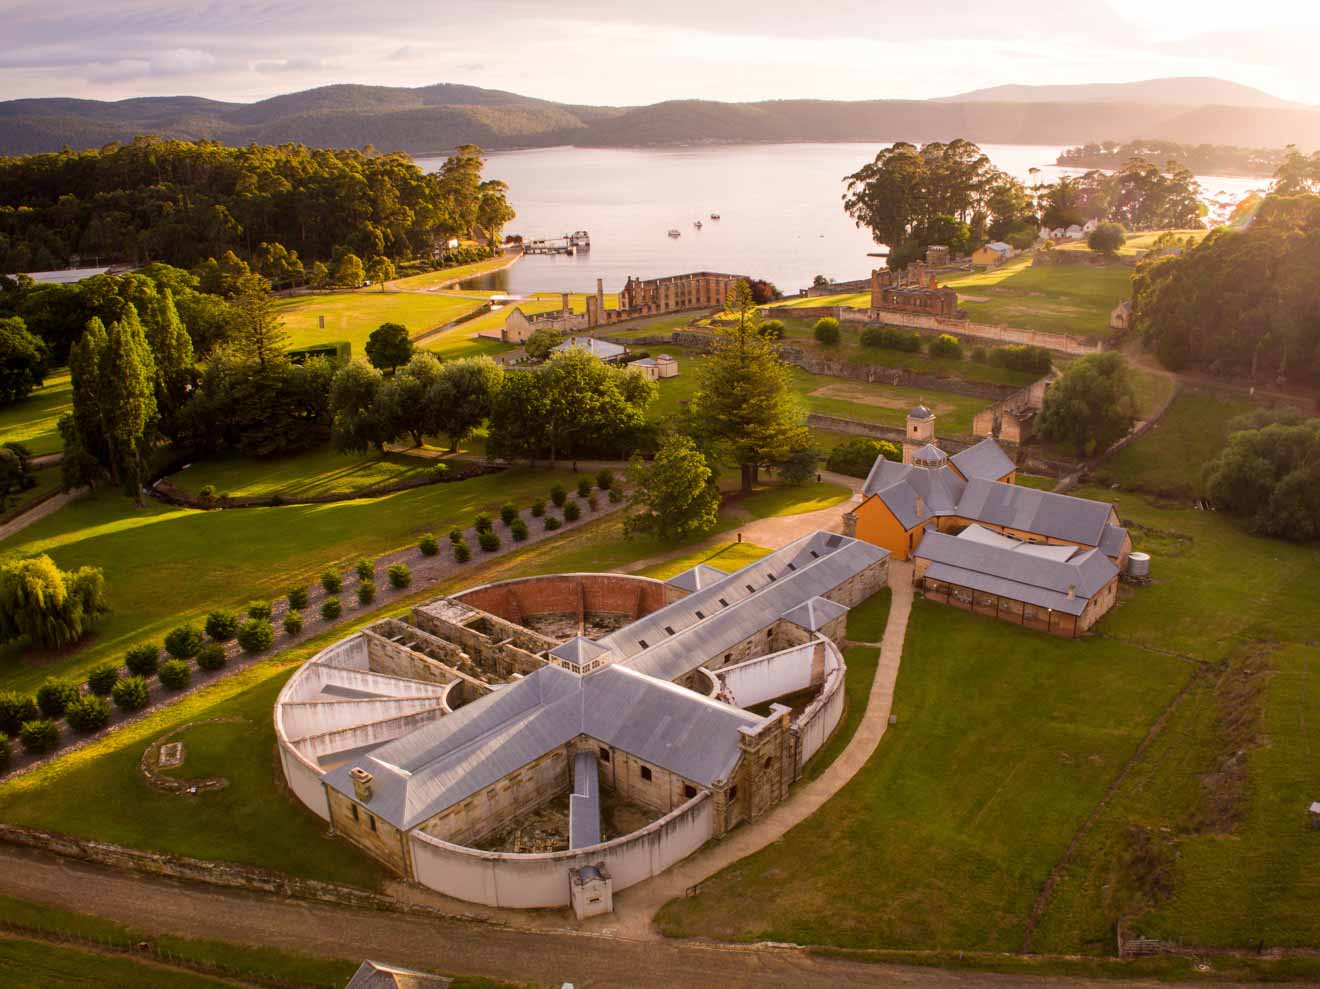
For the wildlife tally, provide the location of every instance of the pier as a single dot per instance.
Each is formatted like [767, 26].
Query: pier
[569, 244]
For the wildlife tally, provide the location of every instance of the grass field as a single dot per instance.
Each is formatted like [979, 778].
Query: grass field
[1071, 299]
[352, 316]
[320, 471]
[37, 963]
[432, 279]
[32, 421]
[164, 565]
[1006, 740]
[1138, 242]
[1168, 459]
[886, 404]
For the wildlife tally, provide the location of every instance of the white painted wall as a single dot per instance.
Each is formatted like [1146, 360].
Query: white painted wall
[768, 677]
[524, 881]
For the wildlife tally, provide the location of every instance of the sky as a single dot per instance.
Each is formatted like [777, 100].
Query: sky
[628, 53]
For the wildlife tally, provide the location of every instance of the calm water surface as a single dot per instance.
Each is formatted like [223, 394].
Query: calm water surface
[780, 205]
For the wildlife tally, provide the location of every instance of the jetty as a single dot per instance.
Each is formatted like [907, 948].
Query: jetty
[569, 244]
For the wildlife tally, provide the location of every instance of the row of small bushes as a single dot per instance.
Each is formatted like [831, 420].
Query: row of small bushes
[1015, 357]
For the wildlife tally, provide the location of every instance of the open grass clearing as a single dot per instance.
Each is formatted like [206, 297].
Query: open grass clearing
[1070, 299]
[1168, 459]
[39, 963]
[1138, 243]
[165, 565]
[352, 316]
[32, 421]
[321, 471]
[1007, 739]
[427, 281]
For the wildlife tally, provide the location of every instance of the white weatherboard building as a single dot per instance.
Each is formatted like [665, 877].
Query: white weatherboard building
[560, 700]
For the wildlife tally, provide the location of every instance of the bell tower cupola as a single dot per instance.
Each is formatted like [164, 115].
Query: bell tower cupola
[920, 431]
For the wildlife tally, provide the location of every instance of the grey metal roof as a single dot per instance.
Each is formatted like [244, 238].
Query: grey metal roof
[921, 412]
[900, 486]
[930, 453]
[815, 614]
[679, 637]
[375, 975]
[1044, 513]
[1016, 575]
[985, 460]
[440, 764]
[601, 348]
[695, 578]
[578, 650]
[584, 802]
[1111, 542]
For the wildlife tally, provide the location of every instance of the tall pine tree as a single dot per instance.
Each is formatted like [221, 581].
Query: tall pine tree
[172, 349]
[128, 402]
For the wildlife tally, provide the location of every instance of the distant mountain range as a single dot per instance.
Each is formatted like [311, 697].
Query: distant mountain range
[435, 119]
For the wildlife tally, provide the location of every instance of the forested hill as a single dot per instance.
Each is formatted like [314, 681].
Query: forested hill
[434, 119]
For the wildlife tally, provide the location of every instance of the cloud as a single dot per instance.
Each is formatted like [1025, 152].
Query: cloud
[408, 53]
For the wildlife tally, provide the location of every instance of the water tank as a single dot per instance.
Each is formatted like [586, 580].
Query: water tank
[1138, 565]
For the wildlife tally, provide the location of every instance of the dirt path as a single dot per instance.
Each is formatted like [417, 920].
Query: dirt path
[38, 512]
[589, 962]
[635, 908]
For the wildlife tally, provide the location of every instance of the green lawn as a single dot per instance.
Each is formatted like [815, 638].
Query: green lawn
[1168, 459]
[1071, 299]
[1037, 481]
[320, 471]
[726, 556]
[37, 963]
[164, 565]
[793, 500]
[850, 399]
[1152, 390]
[32, 421]
[1138, 242]
[1007, 739]
[431, 279]
[352, 316]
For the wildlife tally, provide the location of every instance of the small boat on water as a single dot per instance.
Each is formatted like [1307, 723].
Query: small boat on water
[714, 216]
[697, 224]
[675, 233]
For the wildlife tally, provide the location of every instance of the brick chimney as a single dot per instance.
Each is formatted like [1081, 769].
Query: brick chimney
[362, 784]
[1072, 591]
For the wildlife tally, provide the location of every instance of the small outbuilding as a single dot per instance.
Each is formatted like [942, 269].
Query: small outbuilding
[1121, 316]
[656, 368]
[992, 255]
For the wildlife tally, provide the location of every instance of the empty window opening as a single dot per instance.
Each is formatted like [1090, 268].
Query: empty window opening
[604, 754]
[689, 791]
[353, 809]
[371, 819]
[768, 761]
[733, 794]
[646, 773]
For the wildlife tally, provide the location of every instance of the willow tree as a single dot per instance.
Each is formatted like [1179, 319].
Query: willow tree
[51, 607]
[744, 404]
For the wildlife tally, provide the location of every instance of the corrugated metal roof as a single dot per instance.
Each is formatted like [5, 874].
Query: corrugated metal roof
[1044, 513]
[600, 348]
[584, 802]
[900, 485]
[578, 650]
[679, 637]
[815, 614]
[695, 578]
[1111, 542]
[985, 460]
[1014, 574]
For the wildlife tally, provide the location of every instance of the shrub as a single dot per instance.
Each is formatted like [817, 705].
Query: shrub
[584, 486]
[88, 714]
[332, 582]
[259, 610]
[462, 552]
[616, 496]
[771, 329]
[826, 331]
[947, 346]
[55, 695]
[1020, 357]
[538, 508]
[400, 576]
[207, 492]
[365, 569]
[221, 625]
[331, 609]
[572, 512]
[366, 591]
[552, 523]
[455, 535]
[143, 660]
[518, 530]
[183, 642]
[39, 736]
[482, 523]
[1107, 238]
[212, 655]
[293, 623]
[6, 753]
[297, 598]
[14, 710]
[488, 541]
[888, 338]
[558, 495]
[176, 674]
[428, 545]
[102, 679]
[508, 513]
[857, 456]
[605, 479]
[255, 635]
[131, 693]
[593, 502]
